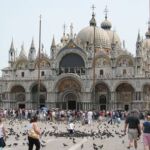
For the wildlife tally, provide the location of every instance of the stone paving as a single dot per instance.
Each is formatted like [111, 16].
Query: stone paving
[96, 136]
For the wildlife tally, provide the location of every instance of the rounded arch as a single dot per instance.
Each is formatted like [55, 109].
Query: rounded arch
[21, 64]
[125, 61]
[62, 77]
[125, 93]
[37, 96]
[72, 60]
[146, 92]
[17, 93]
[44, 62]
[102, 95]
[72, 63]
[102, 60]
[82, 54]
[68, 84]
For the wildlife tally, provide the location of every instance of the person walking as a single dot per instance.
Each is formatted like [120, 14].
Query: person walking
[134, 130]
[146, 132]
[2, 135]
[34, 134]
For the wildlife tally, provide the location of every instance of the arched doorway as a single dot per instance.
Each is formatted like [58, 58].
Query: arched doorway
[124, 96]
[18, 95]
[71, 100]
[38, 96]
[102, 102]
[102, 96]
[68, 93]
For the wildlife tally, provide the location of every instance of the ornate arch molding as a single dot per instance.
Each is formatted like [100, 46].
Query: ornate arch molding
[121, 82]
[71, 92]
[103, 83]
[63, 77]
[126, 60]
[21, 61]
[14, 85]
[36, 83]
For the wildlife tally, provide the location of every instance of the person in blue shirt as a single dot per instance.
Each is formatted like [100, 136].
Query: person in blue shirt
[146, 132]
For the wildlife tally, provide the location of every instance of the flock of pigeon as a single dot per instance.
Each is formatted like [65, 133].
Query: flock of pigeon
[95, 134]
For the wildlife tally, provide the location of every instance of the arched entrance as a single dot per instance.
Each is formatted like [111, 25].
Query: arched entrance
[102, 102]
[102, 96]
[124, 96]
[71, 100]
[69, 90]
[38, 96]
[17, 94]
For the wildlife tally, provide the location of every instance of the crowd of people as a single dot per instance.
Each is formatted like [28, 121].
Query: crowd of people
[132, 123]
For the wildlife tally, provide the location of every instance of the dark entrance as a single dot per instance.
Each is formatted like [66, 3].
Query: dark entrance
[102, 102]
[71, 100]
[42, 101]
[126, 107]
[21, 106]
[72, 105]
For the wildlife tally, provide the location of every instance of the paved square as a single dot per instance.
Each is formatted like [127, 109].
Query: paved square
[55, 136]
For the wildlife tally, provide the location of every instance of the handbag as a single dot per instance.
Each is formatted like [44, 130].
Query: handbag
[33, 134]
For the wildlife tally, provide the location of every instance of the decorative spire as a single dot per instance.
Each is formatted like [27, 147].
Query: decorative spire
[71, 31]
[32, 44]
[93, 21]
[12, 45]
[22, 52]
[138, 37]
[147, 34]
[106, 12]
[64, 28]
[124, 44]
[113, 44]
[53, 42]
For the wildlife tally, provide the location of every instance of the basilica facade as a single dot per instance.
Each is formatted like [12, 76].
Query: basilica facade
[88, 70]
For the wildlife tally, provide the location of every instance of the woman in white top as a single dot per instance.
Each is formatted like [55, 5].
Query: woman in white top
[2, 135]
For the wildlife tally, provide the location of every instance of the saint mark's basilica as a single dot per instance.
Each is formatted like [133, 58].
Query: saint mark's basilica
[88, 70]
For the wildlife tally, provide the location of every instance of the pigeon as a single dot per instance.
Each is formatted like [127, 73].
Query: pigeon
[65, 144]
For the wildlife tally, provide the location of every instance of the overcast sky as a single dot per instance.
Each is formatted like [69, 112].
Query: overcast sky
[19, 20]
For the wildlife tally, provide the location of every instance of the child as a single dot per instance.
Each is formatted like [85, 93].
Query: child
[71, 127]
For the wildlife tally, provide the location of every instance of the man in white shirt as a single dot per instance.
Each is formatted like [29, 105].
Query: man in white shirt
[90, 117]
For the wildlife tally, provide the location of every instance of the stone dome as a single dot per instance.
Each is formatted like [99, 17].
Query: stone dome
[146, 43]
[86, 36]
[113, 36]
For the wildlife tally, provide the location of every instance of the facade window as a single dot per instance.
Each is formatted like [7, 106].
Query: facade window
[22, 74]
[42, 73]
[101, 72]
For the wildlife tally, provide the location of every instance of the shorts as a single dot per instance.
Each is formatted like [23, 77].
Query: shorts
[133, 134]
[146, 139]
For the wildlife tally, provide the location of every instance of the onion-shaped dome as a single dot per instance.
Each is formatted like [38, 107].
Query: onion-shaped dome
[113, 37]
[106, 25]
